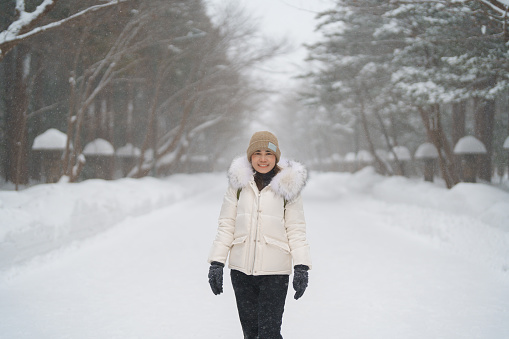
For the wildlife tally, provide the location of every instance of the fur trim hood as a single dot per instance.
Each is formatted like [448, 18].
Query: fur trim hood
[288, 183]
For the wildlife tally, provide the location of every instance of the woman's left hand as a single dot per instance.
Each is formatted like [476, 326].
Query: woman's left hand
[300, 280]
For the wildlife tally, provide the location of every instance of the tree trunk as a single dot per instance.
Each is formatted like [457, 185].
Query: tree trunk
[16, 115]
[446, 146]
[150, 134]
[458, 127]
[110, 116]
[129, 137]
[378, 162]
[434, 129]
[356, 142]
[35, 121]
[484, 125]
[458, 121]
[67, 162]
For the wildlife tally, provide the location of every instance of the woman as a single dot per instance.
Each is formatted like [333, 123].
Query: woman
[262, 228]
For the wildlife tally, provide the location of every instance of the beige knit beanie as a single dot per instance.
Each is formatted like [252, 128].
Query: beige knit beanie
[263, 140]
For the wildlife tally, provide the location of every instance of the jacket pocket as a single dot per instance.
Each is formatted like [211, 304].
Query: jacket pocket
[278, 243]
[238, 251]
[276, 255]
[239, 240]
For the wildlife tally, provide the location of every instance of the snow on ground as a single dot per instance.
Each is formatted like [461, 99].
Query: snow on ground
[393, 258]
[46, 217]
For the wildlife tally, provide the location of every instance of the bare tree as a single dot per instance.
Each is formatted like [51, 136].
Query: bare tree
[211, 91]
[20, 77]
[25, 24]
[85, 89]
[178, 76]
[432, 120]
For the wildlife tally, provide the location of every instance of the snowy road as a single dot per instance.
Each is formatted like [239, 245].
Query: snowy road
[146, 277]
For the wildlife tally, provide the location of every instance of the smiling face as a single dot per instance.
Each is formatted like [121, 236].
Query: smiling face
[263, 161]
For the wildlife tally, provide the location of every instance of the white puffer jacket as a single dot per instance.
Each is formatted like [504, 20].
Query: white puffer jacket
[264, 232]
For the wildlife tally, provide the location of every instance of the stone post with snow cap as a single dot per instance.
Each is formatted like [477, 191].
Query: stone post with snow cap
[48, 149]
[100, 160]
[468, 148]
[428, 153]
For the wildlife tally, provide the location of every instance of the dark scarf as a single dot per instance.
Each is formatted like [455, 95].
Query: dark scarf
[263, 179]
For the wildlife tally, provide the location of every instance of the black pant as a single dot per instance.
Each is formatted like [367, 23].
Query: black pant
[260, 302]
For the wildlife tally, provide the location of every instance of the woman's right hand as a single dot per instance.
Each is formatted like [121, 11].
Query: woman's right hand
[216, 277]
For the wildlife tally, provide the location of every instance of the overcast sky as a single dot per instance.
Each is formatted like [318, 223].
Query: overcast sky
[293, 19]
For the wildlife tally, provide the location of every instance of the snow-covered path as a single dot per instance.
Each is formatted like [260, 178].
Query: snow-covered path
[146, 277]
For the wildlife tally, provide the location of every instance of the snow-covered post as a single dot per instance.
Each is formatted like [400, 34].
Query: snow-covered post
[100, 156]
[48, 148]
[428, 153]
[468, 148]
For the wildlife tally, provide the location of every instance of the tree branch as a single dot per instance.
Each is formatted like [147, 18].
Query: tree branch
[13, 35]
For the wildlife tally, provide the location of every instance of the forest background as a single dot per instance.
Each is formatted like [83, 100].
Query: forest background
[180, 88]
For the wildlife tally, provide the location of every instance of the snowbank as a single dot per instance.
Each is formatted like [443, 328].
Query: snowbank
[469, 219]
[46, 217]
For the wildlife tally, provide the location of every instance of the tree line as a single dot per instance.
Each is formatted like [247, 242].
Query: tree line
[160, 75]
[157, 74]
[389, 73]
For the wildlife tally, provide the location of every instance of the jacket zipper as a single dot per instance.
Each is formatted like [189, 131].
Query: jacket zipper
[256, 233]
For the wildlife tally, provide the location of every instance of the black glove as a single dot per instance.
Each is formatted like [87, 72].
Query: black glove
[216, 277]
[300, 280]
